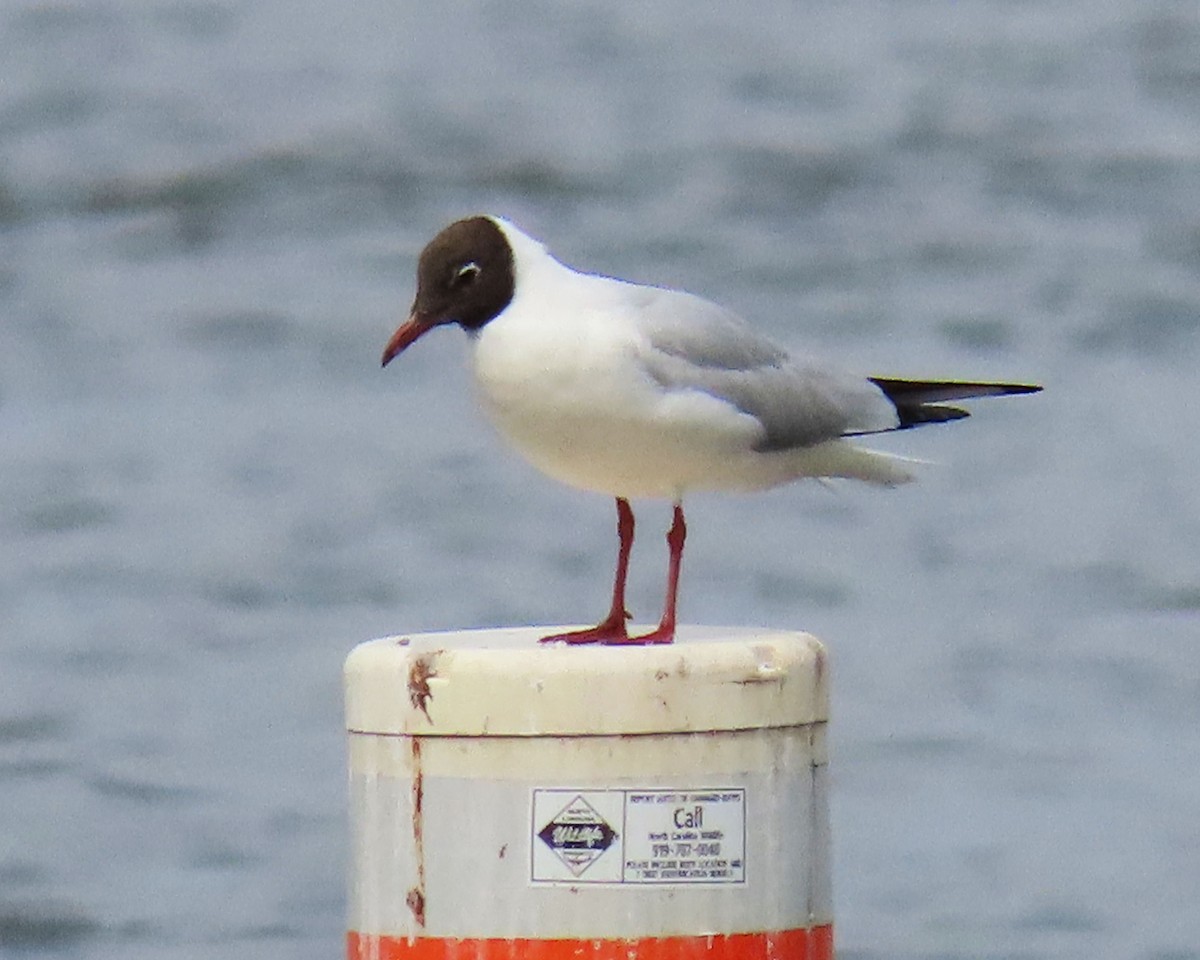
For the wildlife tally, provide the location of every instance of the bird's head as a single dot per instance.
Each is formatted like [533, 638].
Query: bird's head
[465, 276]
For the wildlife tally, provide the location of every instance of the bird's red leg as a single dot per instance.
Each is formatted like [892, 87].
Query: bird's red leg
[665, 632]
[612, 628]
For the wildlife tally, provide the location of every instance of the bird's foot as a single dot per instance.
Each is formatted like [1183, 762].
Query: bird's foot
[609, 630]
[662, 634]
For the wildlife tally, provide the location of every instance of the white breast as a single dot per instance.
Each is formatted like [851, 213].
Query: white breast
[560, 376]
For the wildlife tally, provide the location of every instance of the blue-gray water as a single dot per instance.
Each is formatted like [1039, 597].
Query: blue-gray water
[209, 214]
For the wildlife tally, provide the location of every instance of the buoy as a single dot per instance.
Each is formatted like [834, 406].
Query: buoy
[543, 802]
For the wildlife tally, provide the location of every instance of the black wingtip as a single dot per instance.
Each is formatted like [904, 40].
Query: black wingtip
[909, 392]
[1022, 388]
[918, 416]
[918, 402]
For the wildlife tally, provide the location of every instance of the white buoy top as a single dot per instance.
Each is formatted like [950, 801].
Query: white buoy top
[502, 682]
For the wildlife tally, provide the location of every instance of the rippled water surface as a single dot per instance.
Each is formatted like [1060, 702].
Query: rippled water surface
[209, 214]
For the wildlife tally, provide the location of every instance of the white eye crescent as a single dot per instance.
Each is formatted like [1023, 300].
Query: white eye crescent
[466, 274]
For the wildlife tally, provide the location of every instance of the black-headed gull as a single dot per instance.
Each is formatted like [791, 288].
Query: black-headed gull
[638, 391]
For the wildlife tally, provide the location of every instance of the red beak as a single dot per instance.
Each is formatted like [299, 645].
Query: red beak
[408, 331]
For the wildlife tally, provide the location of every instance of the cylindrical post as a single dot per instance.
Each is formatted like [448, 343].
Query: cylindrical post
[543, 802]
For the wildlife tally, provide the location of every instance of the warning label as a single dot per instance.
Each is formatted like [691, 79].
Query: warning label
[692, 836]
[639, 836]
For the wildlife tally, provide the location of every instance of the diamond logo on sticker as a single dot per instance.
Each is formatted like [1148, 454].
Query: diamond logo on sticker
[578, 835]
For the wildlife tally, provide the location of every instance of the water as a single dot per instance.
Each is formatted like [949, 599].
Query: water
[209, 214]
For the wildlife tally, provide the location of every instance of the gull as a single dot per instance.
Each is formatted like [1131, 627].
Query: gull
[642, 391]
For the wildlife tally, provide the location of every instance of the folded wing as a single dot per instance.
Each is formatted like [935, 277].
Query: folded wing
[692, 344]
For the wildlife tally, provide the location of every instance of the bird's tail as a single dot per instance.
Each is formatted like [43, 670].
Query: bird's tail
[842, 459]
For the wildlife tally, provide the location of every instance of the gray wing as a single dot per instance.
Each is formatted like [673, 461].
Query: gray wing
[692, 344]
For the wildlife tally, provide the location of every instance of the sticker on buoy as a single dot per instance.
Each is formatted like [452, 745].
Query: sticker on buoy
[578, 835]
[639, 836]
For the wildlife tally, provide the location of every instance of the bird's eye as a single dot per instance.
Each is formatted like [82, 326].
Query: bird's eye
[465, 275]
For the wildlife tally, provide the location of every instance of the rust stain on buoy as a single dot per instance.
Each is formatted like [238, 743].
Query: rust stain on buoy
[419, 673]
[416, 903]
[416, 896]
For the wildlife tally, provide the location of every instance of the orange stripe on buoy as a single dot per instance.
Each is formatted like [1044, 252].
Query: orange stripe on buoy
[808, 944]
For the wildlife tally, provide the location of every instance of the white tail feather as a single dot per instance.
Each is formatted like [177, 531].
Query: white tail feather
[840, 458]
